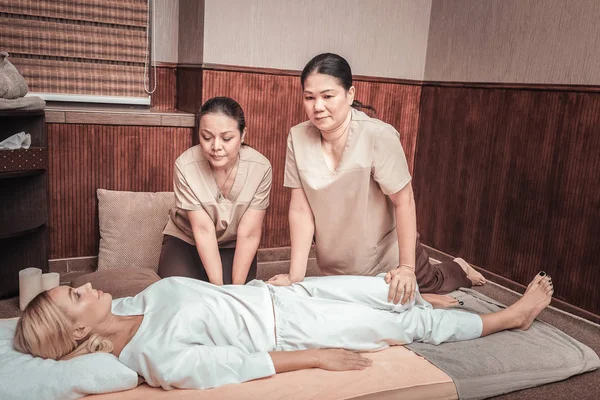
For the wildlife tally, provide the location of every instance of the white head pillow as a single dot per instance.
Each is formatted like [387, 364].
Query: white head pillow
[25, 377]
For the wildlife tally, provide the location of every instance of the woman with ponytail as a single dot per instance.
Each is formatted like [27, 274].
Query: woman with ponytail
[352, 193]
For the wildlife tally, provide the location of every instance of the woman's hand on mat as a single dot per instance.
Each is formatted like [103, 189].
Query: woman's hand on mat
[341, 360]
[281, 280]
[403, 284]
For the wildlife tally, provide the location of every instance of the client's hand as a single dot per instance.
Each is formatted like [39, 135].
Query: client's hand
[281, 280]
[341, 360]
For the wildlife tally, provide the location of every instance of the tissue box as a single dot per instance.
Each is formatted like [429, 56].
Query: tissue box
[23, 159]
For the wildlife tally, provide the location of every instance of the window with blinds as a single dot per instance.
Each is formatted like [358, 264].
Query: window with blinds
[77, 47]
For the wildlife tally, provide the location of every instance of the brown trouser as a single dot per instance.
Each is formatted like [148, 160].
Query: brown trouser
[179, 258]
[438, 278]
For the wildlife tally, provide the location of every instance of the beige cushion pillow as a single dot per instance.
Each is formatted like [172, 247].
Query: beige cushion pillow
[119, 283]
[131, 225]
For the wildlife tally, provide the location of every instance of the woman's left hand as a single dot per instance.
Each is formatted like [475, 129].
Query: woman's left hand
[403, 284]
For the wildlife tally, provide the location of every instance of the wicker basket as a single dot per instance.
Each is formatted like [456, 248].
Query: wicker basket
[33, 158]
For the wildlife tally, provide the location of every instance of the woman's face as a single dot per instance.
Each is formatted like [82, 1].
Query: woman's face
[326, 102]
[220, 139]
[84, 305]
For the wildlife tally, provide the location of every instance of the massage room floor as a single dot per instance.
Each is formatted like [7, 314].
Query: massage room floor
[579, 387]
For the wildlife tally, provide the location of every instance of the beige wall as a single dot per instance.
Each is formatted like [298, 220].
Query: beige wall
[386, 38]
[523, 41]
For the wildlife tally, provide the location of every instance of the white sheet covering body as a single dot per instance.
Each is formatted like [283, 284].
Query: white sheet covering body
[197, 335]
[352, 312]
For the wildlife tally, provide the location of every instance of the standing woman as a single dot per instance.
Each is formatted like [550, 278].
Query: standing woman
[222, 192]
[352, 190]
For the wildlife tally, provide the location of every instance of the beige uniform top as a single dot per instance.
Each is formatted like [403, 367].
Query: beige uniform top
[195, 189]
[355, 227]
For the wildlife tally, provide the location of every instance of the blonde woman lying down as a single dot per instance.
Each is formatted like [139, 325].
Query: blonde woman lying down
[185, 333]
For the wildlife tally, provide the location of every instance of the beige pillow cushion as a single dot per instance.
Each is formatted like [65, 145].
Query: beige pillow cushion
[119, 283]
[131, 225]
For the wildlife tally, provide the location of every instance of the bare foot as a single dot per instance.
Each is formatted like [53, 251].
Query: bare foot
[537, 297]
[440, 300]
[475, 277]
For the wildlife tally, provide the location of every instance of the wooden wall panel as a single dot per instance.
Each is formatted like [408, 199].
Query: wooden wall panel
[165, 96]
[272, 104]
[189, 88]
[83, 158]
[396, 104]
[508, 179]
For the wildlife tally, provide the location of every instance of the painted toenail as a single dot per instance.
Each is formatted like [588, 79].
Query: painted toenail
[542, 273]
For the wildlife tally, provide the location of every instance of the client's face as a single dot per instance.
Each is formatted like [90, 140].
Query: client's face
[84, 305]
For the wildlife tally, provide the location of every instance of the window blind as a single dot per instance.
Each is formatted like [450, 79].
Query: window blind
[83, 47]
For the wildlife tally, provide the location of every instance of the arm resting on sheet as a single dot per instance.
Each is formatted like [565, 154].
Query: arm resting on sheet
[205, 367]
[329, 359]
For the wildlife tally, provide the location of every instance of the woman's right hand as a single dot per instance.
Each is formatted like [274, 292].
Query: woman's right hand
[341, 360]
[281, 280]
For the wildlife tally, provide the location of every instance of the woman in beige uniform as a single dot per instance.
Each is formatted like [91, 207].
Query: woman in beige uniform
[222, 191]
[351, 189]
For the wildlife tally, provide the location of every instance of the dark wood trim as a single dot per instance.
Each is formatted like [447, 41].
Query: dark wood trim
[98, 115]
[395, 81]
[399, 81]
[516, 86]
[517, 287]
[164, 64]
[253, 70]
[289, 72]
[190, 65]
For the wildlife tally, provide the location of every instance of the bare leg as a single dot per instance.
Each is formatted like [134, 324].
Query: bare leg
[475, 277]
[521, 314]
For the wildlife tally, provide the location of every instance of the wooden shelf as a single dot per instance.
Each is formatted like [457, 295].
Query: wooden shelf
[21, 174]
[25, 228]
[23, 199]
[21, 113]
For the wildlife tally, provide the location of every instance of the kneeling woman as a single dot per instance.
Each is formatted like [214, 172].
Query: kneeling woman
[206, 336]
[222, 191]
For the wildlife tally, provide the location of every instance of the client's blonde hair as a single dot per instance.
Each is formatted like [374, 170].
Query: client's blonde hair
[44, 330]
